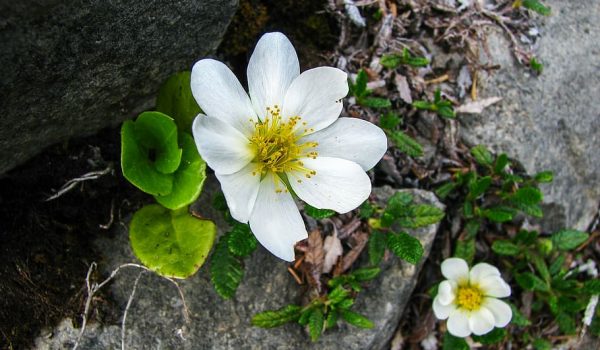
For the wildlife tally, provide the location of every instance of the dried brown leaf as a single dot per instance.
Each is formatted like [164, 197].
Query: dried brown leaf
[476, 107]
[333, 250]
[314, 258]
[360, 241]
[403, 88]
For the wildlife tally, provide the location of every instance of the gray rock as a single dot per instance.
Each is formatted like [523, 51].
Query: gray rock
[155, 319]
[551, 122]
[70, 68]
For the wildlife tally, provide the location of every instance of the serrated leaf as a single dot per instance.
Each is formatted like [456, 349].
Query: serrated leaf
[566, 323]
[472, 227]
[271, 319]
[534, 210]
[528, 195]
[529, 281]
[406, 144]
[391, 61]
[226, 270]
[304, 316]
[592, 287]
[405, 247]
[499, 214]
[425, 105]
[446, 112]
[493, 337]
[544, 177]
[376, 247]
[501, 163]
[316, 213]
[356, 319]
[332, 318]
[389, 121]
[465, 249]
[171, 243]
[421, 215]
[417, 61]
[366, 273]
[518, 318]
[454, 343]
[542, 344]
[366, 210]
[478, 187]
[526, 237]
[316, 322]
[540, 266]
[189, 177]
[345, 304]
[557, 264]
[374, 102]
[482, 155]
[360, 86]
[241, 241]
[444, 190]
[338, 294]
[504, 247]
[569, 239]
[537, 6]
[175, 99]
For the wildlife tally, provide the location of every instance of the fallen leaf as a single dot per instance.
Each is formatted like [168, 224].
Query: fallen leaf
[403, 88]
[314, 257]
[333, 250]
[476, 107]
[360, 241]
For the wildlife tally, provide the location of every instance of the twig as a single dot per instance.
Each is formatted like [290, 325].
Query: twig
[127, 309]
[69, 185]
[112, 216]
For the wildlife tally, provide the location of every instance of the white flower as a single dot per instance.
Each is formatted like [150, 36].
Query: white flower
[468, 298]
[287, 136]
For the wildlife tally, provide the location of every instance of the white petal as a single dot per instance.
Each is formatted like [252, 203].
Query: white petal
[501, 311]
[275, 219]
[338, 184]
[352, 139]
[446, 292]
[481, 271]
[442, 311]
[220, 95]
[481, 321]
[494, 286]
[458, 324]
[272, 68]
[315, 96]
[222, 146]
[240, 190]
[456, 269]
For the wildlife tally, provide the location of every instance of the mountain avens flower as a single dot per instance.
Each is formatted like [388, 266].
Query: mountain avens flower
[284, 139]
[468, 298]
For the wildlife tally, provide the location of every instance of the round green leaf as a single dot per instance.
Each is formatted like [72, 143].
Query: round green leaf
[137, 166]
[171, 243]
[175, 99]
[157, 133]
[189, 177]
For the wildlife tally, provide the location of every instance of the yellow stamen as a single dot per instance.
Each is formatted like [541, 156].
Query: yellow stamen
[469, 297]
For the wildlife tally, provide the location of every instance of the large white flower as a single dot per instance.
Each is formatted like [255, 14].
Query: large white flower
[468, 298]
[286, 137]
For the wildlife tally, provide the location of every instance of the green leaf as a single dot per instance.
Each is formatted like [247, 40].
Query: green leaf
[499, 214]
[390, 61]
[397, 205]
[417, 61]
[360, 86]
[465, 249]
[501, 163]
[188, 179]
[527, 195]
[345, 304]
[241, 241]
[454, 343]
[518, 319]
[505, 247]
[157, 132]
[421, 215]
[544, 177]
[226, 270]
[557, 264]
[542, 344]
[591, 287]
[537, 66]
[529, 281]
[271, 319]
[526, 237]
[366, 273]
[447, 188]
[317, 214]
[332, 318]
[534, 210]
[405, 247]
[305, 315]
[482, 155]
[171, 243]
[374, 102]
[338, 294]
[478, 187]
[377, 243]
[446, 111]
[537, 6]
[389, 121]
[493, 337]
[569, 239]
[406, 144]
[423, 105]
[315, 324]
[566, 323]
[356, 319]
[540, 266]
[472, 227]
[366, 210]
[175, 99]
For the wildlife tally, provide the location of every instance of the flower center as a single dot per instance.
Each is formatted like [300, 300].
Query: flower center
[469, 297]
[277, 146]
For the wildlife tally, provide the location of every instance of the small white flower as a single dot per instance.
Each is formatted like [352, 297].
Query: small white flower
[468, 299]
[287, 136]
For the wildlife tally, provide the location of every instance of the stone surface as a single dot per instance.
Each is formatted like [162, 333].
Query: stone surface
[551, 122]
[69, 68]
[155, 319]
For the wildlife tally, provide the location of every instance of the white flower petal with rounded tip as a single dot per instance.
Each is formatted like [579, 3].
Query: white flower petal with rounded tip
[240, 190]
[339, 184]
[494, 286]
[220, 95]
[352, 139]
[458, 324]
[501, 311]
[272, 68]
[315, 96]
[481, 271]
[221, 145]
[455, 269]
[446, 292]
[481, 321]
[442, 311]
[276, 220]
